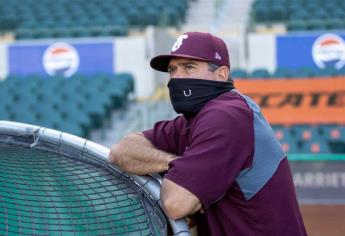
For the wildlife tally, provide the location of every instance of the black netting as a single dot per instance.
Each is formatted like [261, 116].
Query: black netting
[44, 193]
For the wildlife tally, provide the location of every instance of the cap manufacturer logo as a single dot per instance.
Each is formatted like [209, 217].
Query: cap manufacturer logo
[179, 42]
[328, 51]
[61, 59]
[217, 56]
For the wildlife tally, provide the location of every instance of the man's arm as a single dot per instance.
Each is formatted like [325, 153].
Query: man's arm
[178, 202]
[135, 154]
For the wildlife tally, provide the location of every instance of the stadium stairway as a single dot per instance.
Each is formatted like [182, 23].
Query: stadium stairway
[234, 15]
[201, 16]
[220, 15]
[137, 116]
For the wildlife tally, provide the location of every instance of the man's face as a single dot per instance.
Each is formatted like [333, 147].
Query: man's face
[190, 68]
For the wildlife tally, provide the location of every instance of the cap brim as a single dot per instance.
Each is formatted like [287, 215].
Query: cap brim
[161, 62]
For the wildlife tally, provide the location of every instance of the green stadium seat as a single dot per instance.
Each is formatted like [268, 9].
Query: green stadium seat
[24, 33]
[21, 113]
[261, 14]
[318, 14]
[315, 147]
[278, 13]
[304, 72]
[282, 133]
[325, 72]
[340, 72]
[335, 24]
[239, 73]
[282, 73]
[83, 103]
[306, 133]
[4, 112]
[116, 30]
[317, 24]
[260, 73]
[300, 15]
[334, 133]
[31, 20]
[297, 25]
[289, 146]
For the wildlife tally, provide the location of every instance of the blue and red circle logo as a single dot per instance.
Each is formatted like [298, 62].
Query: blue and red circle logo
[329, 51]
[61, 59]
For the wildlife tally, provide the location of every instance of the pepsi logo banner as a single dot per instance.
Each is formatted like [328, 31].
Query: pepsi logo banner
[61, 58]
[322, 51]
[298, 101]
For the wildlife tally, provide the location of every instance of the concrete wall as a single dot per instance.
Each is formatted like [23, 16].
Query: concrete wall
[237, 50]
[261, 51]
[131, 55]
[162, 42]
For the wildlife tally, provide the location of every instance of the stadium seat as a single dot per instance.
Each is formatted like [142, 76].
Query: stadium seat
[317, 24]
[289, 146]
[278, 13]
[304, 72]
[299, 15]
[282, 133]
[282, 73]
[59, 19]
[260, 73]
[4, 113]
[76, 105]
[306, 133]
[325, 72]
[238, 73]
[335, 24]
[334, 133]
[315, 147]
[260, 13]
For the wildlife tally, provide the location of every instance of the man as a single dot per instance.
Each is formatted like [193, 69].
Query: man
[224, 165]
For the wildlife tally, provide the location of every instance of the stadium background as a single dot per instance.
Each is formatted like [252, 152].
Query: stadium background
[83, 67]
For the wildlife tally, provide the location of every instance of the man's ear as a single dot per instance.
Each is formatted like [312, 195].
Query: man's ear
[223, 73]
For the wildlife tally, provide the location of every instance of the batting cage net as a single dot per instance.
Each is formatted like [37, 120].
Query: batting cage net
[53, 183]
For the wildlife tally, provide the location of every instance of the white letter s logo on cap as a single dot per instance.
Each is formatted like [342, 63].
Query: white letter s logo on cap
[178, 42]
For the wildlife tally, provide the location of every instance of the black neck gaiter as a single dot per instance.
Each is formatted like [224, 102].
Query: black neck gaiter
[188, 96]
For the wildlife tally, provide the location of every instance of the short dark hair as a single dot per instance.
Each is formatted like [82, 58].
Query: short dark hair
[213, 67]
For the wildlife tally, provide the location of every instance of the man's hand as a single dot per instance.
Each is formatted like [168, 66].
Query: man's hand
[135, 154]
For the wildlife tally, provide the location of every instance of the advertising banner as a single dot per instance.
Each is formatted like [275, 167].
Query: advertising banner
[311, 51]
[319, 182]
[60, 58]
[296, 101]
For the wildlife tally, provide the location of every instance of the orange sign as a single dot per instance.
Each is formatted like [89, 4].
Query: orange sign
[298, 101]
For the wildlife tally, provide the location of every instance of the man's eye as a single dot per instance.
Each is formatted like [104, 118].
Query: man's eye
[189, 67]
[171, 70]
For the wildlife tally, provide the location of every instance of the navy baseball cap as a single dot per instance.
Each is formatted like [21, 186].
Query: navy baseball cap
[195, 45]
